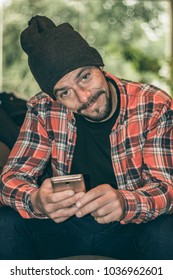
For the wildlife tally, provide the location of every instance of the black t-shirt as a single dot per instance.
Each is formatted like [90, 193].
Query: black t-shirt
[92, 154]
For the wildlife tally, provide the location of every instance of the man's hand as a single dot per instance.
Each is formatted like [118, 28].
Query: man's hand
[103, 202]
[58, 206]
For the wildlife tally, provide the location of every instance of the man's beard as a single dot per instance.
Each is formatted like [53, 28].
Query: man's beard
[101, 114]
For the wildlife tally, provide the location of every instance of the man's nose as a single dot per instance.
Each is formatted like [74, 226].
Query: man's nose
[83, 95]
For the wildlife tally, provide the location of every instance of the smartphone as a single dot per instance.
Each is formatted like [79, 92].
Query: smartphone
[73, 182]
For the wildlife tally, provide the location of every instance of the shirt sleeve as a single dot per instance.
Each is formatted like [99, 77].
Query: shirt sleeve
[155, 197]
[28, 158]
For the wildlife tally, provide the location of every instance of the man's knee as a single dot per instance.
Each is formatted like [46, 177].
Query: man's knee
[164, 234]
[162, 229]
[15, 241]
[157, 238]
[9, 219]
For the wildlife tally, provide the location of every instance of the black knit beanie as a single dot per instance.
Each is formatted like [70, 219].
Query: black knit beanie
[53, 51]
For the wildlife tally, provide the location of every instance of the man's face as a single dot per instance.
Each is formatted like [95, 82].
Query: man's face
[85, 91]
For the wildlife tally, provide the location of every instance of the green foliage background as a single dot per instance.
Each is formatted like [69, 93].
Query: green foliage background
[128, 34]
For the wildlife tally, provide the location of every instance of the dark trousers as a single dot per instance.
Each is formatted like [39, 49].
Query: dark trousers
[44, 239]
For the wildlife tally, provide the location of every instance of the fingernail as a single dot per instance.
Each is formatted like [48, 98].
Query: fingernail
[78, 204]
[78, 214]
[70, 193]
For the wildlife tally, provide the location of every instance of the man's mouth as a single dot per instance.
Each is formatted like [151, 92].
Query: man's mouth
[91, 101]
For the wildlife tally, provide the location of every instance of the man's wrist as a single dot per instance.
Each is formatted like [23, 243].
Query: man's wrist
[32, 204]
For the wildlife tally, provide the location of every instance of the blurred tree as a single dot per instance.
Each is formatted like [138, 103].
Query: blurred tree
[128, 33]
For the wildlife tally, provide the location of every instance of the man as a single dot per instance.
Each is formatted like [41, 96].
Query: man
[116, 132]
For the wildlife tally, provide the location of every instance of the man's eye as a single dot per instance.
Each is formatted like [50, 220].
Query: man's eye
[85, 76]
[64, 94]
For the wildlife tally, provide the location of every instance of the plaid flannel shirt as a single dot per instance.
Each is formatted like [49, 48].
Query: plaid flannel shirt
[141, 149]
